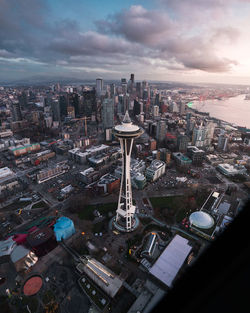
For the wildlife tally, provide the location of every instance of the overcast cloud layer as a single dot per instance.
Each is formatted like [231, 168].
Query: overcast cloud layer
[176, 39]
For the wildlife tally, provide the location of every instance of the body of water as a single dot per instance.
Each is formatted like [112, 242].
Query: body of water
[233, 110]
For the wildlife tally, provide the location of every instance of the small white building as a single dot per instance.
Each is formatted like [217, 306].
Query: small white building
[231, 170]
[156, 169]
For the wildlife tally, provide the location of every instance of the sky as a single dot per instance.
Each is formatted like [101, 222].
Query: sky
[160, 40]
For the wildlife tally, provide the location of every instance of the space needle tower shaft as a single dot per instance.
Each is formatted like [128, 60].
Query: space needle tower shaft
[125, 213]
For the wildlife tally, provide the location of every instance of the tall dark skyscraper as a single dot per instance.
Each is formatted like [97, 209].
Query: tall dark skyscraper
[89, 102]
[132, 78]
[139, 89]
[137, 107]
[16, 111]
[99, 86]
[75, 102]
[182, 143]
[23, 99]
[55, 106]
[63, 102]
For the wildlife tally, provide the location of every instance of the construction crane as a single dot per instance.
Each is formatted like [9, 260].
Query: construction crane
[85, 118]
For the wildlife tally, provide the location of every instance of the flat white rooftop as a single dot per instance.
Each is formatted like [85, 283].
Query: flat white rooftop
[6, 174]
[102, 276]
[171, 260]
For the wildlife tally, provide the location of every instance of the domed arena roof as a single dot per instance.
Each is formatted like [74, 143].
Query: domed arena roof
[201, 219]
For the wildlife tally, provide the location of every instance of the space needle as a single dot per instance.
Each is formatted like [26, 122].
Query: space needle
[125, 219]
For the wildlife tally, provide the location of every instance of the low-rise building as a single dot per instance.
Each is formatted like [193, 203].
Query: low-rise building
[213, 159]
[8, 179]
[156, 169]
[47, 174]
[6, 133]
[228, 158]
[88, 176]
[196, 155]
[78, 156]
[108, 183]
[24, 149]
[42, 156]
[231, 170]
[181, 160]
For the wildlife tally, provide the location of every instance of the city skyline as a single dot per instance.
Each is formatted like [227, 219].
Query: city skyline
[162, 40]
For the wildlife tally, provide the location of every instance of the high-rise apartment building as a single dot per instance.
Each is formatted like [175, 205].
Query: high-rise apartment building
[182, 143]
[63, 102]
[182, 107]
[89, 102]
[199, 136]
[99, 86]
[108, 113]
[55, 106]
[155, 110]
[161, 130]
[222, 142]
[16, 111]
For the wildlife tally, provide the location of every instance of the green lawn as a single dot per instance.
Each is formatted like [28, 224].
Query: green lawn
[152, 227]
[173, 202]
[145, 220]
[104, 209]
[181, 206]
[40, 204]
[99, 227]
[182, 213]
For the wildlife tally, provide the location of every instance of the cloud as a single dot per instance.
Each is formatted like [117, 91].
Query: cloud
[138, 25]
[167, 39]
[176, 36]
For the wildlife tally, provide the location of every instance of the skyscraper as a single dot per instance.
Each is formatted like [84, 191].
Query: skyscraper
[137, 107]
[55, 106]
[132, 78]
[89, 102]
[75, 102]
[108, 113]
[155, 110]
[124, 85]
[222, 142]
[139, 89]
[63, 101]
[112, 90]
[199, 135]
[125, 219]
[182, 142]
[16, 111]
[161, 130]
[99, 86]
[209, 129]
[182, 107]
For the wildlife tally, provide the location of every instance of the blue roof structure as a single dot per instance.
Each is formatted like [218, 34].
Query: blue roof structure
[64, 228]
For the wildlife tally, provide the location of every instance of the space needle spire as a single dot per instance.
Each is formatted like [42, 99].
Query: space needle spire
[125, 214]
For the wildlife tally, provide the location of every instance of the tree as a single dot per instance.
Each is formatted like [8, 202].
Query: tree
[78, 203]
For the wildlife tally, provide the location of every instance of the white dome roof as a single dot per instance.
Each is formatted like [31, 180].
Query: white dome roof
[201, 219]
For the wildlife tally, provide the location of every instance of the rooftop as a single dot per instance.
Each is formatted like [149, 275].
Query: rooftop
[102, 276]
[171, 260]
[201, 219]
[156, 164]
